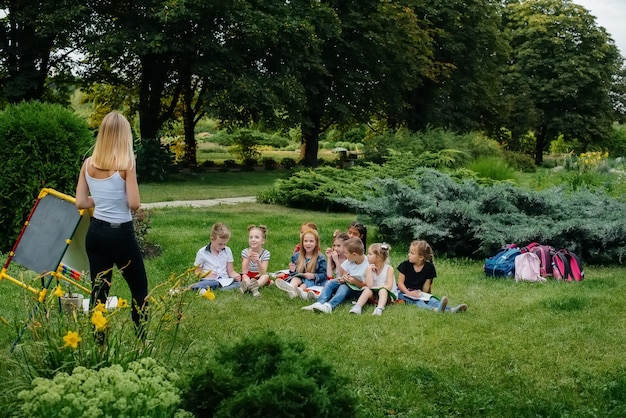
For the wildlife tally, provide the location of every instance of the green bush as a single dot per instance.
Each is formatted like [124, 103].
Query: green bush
[265, 376]
[288, 163]
[41, 145]
[492, 167]
[144, 389]
[522, 162]
[465, 219]
[154, 160]
[269, 163]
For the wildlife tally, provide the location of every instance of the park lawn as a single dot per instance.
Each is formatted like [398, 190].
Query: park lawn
[521, 349]
[210, 184]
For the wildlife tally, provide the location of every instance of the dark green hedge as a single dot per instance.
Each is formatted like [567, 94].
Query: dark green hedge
[41, 145]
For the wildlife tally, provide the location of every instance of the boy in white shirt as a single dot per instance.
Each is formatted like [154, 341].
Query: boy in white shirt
[349, 285]
[215, 261]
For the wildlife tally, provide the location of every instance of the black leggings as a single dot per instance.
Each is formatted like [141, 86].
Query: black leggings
[115, 244]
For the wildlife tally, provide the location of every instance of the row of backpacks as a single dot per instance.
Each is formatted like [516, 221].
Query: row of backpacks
[534, 263]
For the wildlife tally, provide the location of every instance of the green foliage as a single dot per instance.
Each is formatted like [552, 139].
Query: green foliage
[464, 219]
[245, 145]
[616, 146]
[264, 376]
[41, 145]
[141, 224]
[521, 162]
[154, 160]
[269, 163]
[144, 388]
[288, 163]
[492, 168]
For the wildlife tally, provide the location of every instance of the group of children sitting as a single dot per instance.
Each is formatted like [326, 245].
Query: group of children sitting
[345, 273]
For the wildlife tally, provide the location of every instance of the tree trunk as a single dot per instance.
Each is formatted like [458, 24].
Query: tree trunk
[540, 136]
[310, 144]
[151, 86]
[189, 117]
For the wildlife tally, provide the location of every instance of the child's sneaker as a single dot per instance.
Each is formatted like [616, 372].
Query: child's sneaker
[243, 287]
[254, 288]
[442, 305]
[302, 293]
[311, 307]
[322, 307]
[356, 309]
[286, 287]
[378, 311]
[312, 295]
[201, 292]
[461, 308]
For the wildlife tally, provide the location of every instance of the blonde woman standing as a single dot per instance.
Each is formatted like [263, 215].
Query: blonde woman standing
[108, 184]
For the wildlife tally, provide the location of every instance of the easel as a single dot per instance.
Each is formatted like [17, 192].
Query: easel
[52, 244]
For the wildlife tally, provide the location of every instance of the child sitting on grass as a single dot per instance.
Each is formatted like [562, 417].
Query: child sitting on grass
[349, 285]
[415, 279]
[254, 261]
[307, 267]
[379, 279]
[214, 263]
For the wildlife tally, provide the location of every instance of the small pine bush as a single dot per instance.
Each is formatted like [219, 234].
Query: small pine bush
[41, 145]
[265, 376]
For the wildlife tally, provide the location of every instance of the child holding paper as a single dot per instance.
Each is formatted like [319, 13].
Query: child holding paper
[415, 279]
[214, 263]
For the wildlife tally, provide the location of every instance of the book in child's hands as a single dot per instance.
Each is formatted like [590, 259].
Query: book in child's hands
[423, 296]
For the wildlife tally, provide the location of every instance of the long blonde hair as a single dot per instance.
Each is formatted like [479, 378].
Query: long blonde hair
[114, 144]
[301, 265]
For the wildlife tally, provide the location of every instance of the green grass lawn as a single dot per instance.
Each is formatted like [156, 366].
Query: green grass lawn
[521, 350]
[209, 185]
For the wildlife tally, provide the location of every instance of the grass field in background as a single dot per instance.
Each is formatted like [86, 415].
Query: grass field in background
[209, 185]
[521, 350]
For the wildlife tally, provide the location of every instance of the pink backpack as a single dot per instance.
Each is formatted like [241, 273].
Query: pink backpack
[567, 266]
[527, 267]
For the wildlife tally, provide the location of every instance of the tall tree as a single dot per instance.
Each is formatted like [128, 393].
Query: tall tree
[36, 38]
[382, 50]
[470, 52]
[561, 73]
[129, 43]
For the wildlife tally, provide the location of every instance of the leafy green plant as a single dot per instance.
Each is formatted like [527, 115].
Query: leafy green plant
[269, 163]
[141, 224]
[143, 388]
[465, 219]
[493, 168]
[154, 160]
[59, 341]
[265, 375]
[41, 145]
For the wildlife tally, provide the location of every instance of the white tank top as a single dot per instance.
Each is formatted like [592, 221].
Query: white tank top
[109, 196]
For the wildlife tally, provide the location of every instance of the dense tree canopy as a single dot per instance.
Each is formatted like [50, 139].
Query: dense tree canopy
[36, 37]
[539, 66]
[561, 73]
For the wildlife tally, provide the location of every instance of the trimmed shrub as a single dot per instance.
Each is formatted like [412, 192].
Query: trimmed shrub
[265, 376]
[41, 145]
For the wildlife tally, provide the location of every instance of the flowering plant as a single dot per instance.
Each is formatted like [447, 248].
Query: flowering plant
[60, 341]
[143, 388]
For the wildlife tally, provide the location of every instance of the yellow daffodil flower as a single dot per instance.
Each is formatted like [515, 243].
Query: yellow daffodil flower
[122, 303]
[71, 339]
[209, 295]
[99, 320]
[58, 292]
[100, 307]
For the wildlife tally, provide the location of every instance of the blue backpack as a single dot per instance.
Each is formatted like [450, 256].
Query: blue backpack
[503, 263]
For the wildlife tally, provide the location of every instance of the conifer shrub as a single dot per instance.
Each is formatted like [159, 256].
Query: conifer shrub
[41, 145]
[266, 376]
[466, 219]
